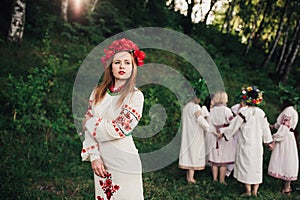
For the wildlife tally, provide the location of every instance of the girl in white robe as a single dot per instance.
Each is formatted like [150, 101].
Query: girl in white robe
[115, 110]
[255, 131]
[284, 160]
[221, 153]
[192, 150]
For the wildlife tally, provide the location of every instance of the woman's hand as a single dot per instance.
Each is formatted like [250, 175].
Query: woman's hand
[271, 146]
[98, 168]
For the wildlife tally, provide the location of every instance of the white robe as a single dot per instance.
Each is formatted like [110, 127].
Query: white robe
[284, 160]
[255, 131]
[108, 137]
[221, 152]
[192, 149]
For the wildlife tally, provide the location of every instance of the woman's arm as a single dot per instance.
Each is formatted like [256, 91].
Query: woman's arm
[122, 125]
[234, 125]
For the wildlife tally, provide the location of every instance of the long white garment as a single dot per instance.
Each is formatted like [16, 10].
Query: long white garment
[235, 109]
[192, 149]
[255, 131]
[284, 160]
[108, 137]
[221, 152]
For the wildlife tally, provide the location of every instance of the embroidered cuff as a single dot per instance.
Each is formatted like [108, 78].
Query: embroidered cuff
[126, 121]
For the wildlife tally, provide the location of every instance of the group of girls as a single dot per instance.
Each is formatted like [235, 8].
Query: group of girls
[234, 138]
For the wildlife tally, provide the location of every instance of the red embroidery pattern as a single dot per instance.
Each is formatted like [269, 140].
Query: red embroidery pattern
[96, 126]
[133, 111]
[117, 129]
[108, 188]
[124, 120]
[89, 113]
[89, 148]
[285, 120]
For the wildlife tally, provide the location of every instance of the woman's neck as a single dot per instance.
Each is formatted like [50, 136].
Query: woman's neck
[119, 83]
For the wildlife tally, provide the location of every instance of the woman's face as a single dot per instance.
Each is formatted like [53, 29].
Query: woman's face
[122, 66]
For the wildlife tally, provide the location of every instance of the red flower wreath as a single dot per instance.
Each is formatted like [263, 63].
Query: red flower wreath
[108, 187]
[123, 45]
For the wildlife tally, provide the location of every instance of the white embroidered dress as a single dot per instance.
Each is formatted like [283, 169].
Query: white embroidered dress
[284, 160]
[221, 152]
[255, 131]
[108, 137]
[192, 149]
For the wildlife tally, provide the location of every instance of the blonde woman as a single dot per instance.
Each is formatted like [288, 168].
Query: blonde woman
[221, 153]
[115, 109]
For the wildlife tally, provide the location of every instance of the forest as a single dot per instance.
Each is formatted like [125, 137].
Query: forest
[44, 46]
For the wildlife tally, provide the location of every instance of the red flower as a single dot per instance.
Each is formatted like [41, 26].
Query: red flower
[108, 182]
[140, 56]
[244, 97]
[116, 187]
[108, 194]
[254, 101]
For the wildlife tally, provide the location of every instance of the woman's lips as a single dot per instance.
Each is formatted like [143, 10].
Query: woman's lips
[121, 72]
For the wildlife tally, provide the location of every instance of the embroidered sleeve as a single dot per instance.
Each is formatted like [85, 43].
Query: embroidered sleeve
[122, 125]
[90, 147]
[285, 121]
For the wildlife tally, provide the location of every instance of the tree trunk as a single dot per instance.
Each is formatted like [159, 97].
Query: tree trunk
[282, 52]
[15, 33]
[94, 4]
[288, 68]
[254, 24]
[212, 3]
[64, 10]
[278, 35]
[187, 22]
[228, 17]
[266, 13]
[284, 69]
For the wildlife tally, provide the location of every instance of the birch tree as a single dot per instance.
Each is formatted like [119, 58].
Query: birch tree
[290, 55]
[278, 35]
[16, 29]
[64, 10]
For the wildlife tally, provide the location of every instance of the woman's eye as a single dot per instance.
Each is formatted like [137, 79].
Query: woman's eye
[127, 63]
[117, 62]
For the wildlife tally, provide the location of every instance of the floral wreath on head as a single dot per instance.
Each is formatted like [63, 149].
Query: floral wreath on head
[251, 95]
[122, 45]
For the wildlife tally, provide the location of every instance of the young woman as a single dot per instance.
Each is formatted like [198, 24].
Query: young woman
[115, 109]
[255, 131]
[192, 149]
[221, 153]
[284, 161]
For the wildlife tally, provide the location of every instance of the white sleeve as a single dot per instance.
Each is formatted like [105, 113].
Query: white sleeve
[122, 125]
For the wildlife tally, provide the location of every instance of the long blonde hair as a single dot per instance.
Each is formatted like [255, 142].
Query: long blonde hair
[108, 80]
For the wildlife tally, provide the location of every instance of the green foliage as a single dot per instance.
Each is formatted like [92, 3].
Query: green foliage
[26, 99]
[289, 93]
